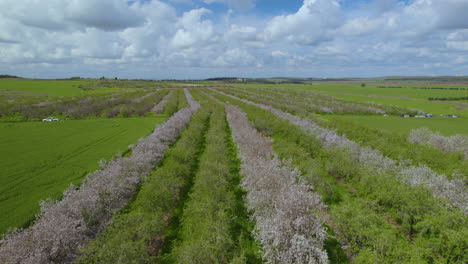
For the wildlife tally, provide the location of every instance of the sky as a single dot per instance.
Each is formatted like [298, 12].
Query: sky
[197, 39]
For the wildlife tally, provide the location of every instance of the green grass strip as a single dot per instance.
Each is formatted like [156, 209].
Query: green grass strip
[214, 226]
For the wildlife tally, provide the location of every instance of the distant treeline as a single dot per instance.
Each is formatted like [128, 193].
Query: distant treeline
[425, 78]
[427, 88]
[5, 76]
[256, 81]
[448, 98]
[439, 88]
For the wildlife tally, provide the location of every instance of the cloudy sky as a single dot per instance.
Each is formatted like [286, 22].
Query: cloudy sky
[188, 39]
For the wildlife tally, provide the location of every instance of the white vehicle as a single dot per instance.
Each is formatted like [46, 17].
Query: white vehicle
[50, 119]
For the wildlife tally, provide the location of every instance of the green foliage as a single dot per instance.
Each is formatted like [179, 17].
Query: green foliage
[40, 159]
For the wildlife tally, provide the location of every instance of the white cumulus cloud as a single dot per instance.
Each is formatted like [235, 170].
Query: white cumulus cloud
[151, 39]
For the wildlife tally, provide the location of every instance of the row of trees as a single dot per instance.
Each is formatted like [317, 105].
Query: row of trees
[159, 108]
[139, 106]
[448, 98]
[427, 88]
[456, 143]
[287, 213]
[75, 107]
[139, 233]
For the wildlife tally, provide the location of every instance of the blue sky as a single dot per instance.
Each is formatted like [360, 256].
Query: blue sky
[194, 39]
[263, 7]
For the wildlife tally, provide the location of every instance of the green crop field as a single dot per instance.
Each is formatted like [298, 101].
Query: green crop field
[48, 87]
[41, 159]
[406, 90]
[404, 97]
[446, 126]
[60, 88]
[434, 107]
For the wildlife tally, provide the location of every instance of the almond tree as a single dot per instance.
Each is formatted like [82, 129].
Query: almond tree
[287, 212]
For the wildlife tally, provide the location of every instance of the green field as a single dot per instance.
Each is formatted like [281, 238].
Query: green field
[46, 87]
[403, 97]
[406, 91]
[446, 126]
[372, 90]
[281, 162]
[40, 160]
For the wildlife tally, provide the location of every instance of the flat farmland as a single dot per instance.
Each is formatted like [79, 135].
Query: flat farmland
[59, 88]
[238, 173]
[41, 159]
[446, 126]
[405, 96]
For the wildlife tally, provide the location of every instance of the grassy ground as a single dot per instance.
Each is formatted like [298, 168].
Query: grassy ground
[406, 91]
[404, 97]
[40, 160]
[446, 126]
[433, 107]
[49, 87]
